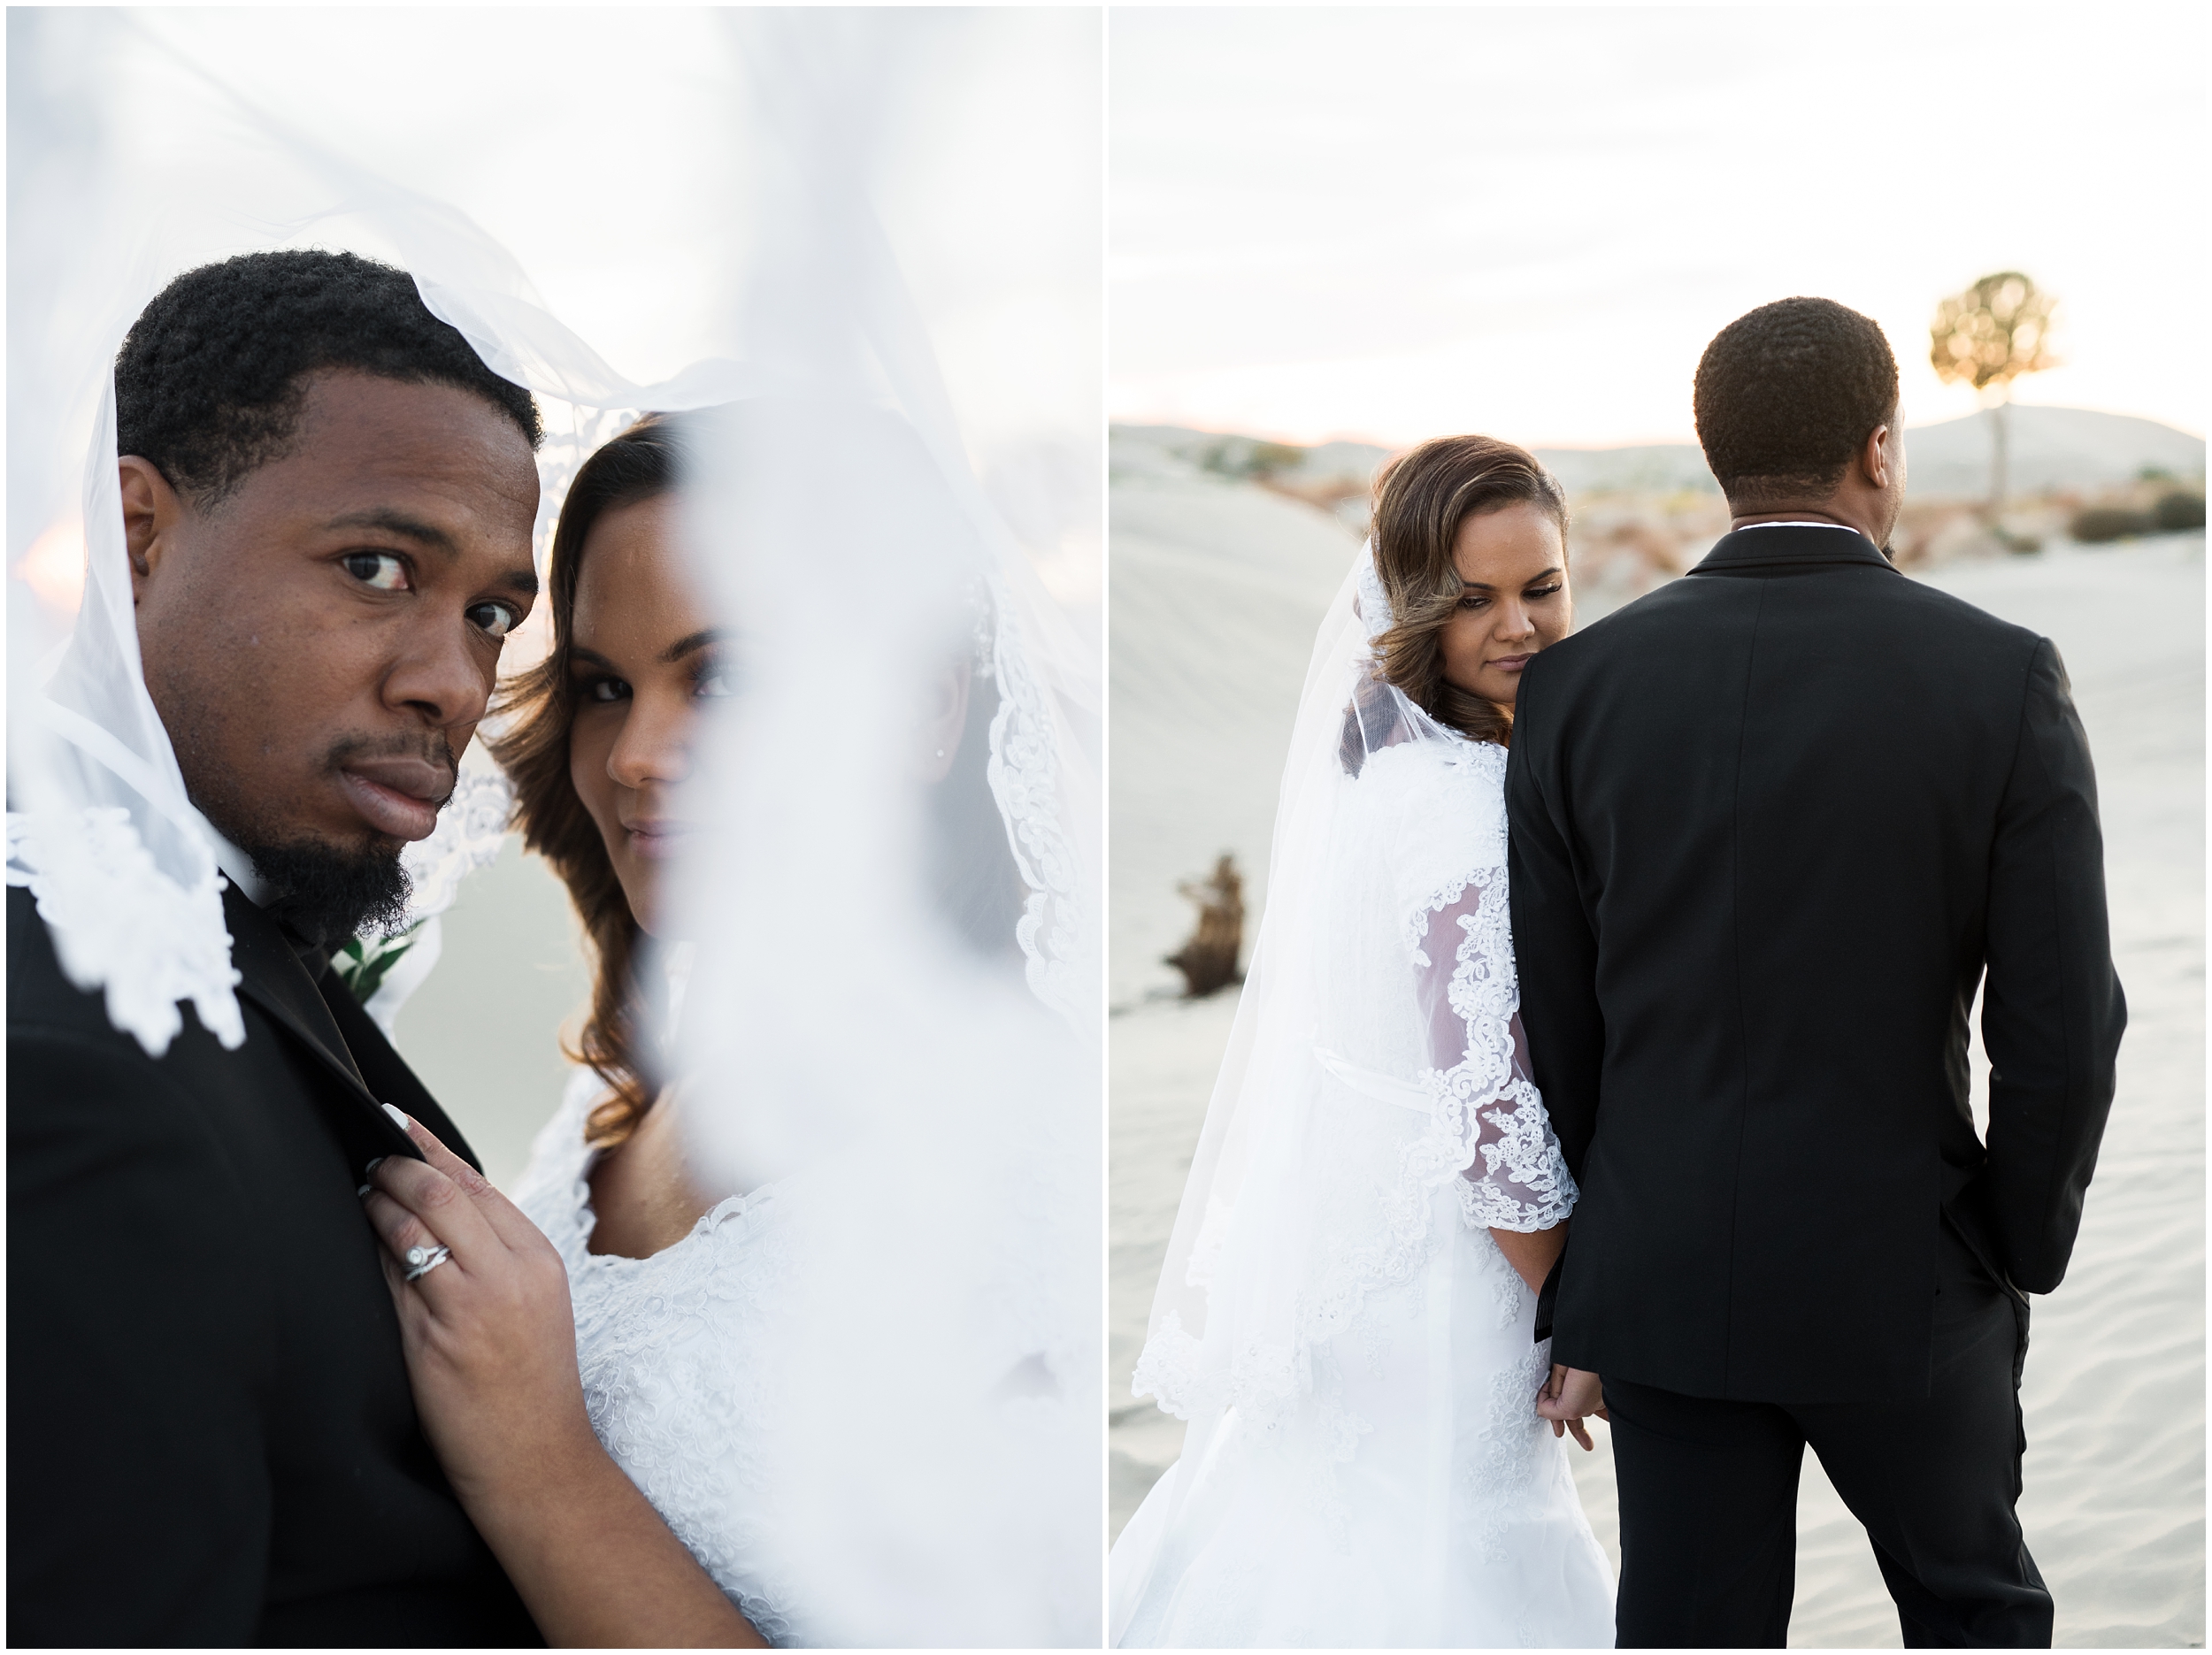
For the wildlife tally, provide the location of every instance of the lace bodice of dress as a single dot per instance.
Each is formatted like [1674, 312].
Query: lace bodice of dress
[667, 1347]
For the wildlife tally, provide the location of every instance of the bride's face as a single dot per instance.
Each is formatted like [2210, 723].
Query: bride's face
[1514, 600]
[642, 655]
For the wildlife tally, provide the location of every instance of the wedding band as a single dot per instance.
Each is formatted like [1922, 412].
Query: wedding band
[422, 1260]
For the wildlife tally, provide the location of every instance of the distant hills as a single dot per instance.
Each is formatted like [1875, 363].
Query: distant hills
[2052, 449]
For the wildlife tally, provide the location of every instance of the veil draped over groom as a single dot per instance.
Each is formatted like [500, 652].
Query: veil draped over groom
[845, 1021]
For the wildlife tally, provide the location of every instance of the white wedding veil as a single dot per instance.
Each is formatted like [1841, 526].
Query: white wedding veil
[842, 1015]
[1207, 1349]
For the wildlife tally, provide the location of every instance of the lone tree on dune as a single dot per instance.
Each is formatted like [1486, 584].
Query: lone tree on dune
[1988, 336]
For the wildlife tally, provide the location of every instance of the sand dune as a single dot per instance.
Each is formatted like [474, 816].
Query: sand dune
[1216, 589]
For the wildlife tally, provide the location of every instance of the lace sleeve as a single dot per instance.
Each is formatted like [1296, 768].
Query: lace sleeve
[1513, 1177]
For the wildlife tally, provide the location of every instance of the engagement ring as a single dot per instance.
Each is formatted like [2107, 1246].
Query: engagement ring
[422, 1260]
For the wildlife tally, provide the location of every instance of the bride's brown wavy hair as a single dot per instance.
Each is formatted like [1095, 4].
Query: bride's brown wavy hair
[1421, 498]
[537, 708]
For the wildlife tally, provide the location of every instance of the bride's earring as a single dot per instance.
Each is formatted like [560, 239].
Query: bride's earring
[944, 716]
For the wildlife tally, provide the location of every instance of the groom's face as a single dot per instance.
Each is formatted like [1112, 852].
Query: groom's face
[321, 641]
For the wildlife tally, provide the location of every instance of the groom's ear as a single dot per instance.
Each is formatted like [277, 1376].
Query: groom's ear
[1881, 456]
[151, 510]
[1875, 459]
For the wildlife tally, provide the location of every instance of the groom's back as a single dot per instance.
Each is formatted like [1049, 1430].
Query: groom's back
[1784, 793]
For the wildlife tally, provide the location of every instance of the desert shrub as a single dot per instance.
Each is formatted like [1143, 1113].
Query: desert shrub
[1241, 456]
[2099, 523]
[2180, 509]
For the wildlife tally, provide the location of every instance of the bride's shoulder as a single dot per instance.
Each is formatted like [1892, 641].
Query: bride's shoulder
[1447, 770]
[1440, 810]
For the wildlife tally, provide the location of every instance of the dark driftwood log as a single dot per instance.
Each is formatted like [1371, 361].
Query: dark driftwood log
[1208, 960]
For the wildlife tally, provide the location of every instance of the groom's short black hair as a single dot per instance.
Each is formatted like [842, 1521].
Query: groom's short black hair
[211, 380]
[1787, 393]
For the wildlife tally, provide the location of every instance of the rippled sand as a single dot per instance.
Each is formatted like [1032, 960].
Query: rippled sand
[2115, 1391]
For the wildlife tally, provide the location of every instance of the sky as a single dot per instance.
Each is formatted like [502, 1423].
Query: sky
[1385, 224]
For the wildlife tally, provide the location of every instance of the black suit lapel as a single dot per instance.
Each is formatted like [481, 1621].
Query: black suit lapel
[385, 1070]
[271, 977]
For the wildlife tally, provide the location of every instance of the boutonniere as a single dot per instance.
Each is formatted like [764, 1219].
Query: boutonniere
[365, 962]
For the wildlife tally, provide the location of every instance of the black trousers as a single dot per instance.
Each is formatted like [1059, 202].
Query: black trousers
[1708, 1494]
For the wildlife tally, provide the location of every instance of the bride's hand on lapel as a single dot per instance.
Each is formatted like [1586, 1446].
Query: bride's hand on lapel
[1568, 1397]
[490, 1342]
[489, 1337]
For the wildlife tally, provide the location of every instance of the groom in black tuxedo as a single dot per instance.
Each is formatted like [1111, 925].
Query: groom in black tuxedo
[1771, 827]
[327, 500]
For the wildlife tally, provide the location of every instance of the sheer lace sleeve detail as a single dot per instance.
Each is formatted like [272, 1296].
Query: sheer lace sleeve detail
[1514, 1177]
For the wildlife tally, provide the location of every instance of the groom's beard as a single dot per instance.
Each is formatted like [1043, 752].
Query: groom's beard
[327, 889]
[329, 893]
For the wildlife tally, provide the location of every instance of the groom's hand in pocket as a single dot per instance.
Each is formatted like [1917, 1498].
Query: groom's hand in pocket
[1568, 1397]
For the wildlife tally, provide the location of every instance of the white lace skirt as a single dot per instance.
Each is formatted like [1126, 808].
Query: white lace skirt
[1453, 1522]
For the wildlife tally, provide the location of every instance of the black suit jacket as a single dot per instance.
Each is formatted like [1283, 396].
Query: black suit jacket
[1769, 826]
[211, 1436]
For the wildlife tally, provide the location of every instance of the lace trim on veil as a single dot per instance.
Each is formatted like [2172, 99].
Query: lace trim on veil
[1024, 774]
[120, 924]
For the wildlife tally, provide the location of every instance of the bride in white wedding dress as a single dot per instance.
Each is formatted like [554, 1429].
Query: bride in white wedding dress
[681, 1287]
[690, 1277]
[809, 1262]
[1345, 1316]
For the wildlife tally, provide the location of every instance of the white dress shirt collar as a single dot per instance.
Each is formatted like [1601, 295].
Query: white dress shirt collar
[240, 872]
